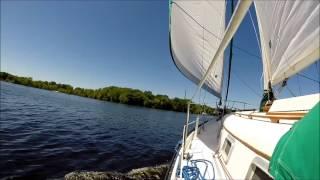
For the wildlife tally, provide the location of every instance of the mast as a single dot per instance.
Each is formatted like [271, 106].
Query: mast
[230, 63]
[267, 98]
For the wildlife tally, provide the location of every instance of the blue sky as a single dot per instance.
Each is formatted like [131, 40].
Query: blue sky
[94, 44]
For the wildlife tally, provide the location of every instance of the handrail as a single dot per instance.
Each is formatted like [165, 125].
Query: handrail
[192, 122]
[185, 134]
[300, 113]
[196, 128]
[241, 102]
[234, 105]
[182, 150]
[274, 116]
[186, 126]
[197, 119]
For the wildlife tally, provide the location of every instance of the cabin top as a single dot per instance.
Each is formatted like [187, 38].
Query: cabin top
[256, 133]
[284, 110]
[301, 103]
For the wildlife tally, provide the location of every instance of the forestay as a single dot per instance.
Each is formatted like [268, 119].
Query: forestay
[289, 33]
[196, 30]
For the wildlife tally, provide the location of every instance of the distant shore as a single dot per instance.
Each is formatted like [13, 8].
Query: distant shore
[115, 94]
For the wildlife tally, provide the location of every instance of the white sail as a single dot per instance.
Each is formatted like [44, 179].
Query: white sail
[289, 33]
[196, 30]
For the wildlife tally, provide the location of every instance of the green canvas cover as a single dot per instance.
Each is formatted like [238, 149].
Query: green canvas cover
[296, 155]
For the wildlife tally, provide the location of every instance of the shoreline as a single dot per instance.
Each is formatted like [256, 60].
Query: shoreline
[120, 95]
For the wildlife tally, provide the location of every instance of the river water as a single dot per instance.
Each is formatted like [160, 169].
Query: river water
[45, 134]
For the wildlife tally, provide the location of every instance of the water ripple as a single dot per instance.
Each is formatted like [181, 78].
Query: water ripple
[47, 134]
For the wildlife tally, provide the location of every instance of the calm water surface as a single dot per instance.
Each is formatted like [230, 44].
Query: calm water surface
[46, 134]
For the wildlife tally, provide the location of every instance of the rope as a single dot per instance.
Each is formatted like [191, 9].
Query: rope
[190, 173]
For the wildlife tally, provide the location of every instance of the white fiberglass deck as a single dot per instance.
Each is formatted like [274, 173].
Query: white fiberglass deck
[259, 135]
[203, 149]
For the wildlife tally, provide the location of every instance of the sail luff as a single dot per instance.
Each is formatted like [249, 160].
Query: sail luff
[290, 41]
[265, 54]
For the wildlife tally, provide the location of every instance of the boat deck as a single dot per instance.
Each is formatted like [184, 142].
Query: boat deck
[248, 139]
[203, 150]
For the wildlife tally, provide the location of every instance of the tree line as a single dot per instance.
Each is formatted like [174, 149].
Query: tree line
[113, 94]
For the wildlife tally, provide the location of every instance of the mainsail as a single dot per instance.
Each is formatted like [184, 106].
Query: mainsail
[289, 33]
[196, 30]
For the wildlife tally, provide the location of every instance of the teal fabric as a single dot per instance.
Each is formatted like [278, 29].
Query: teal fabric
[296, 155]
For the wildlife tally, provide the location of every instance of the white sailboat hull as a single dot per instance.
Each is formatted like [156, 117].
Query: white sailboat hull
[235, 146]
[208, 145]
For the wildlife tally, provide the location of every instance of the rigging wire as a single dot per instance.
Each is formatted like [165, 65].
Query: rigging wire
[284, 83]
[278, 90]
[259, 45]
[236, 75]
[248, 52]
[317, 65]
[290, 91]
[299, 85]
[317, 68]
[241, 49]
[261, 80]
[302, 75]
[298, 82]
[192, 18]
[255, 31]
[216, 36]
[235, 47]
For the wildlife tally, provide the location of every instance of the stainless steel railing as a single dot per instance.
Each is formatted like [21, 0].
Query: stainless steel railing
[186, 137]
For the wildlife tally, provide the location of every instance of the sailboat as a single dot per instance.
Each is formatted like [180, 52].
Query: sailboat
[280, 140]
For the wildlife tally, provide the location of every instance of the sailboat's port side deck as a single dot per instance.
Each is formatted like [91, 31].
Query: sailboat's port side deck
[240, 145]
[242, 140]
[202, 151]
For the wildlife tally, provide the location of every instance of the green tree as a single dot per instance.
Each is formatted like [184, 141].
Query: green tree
[113, 94]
